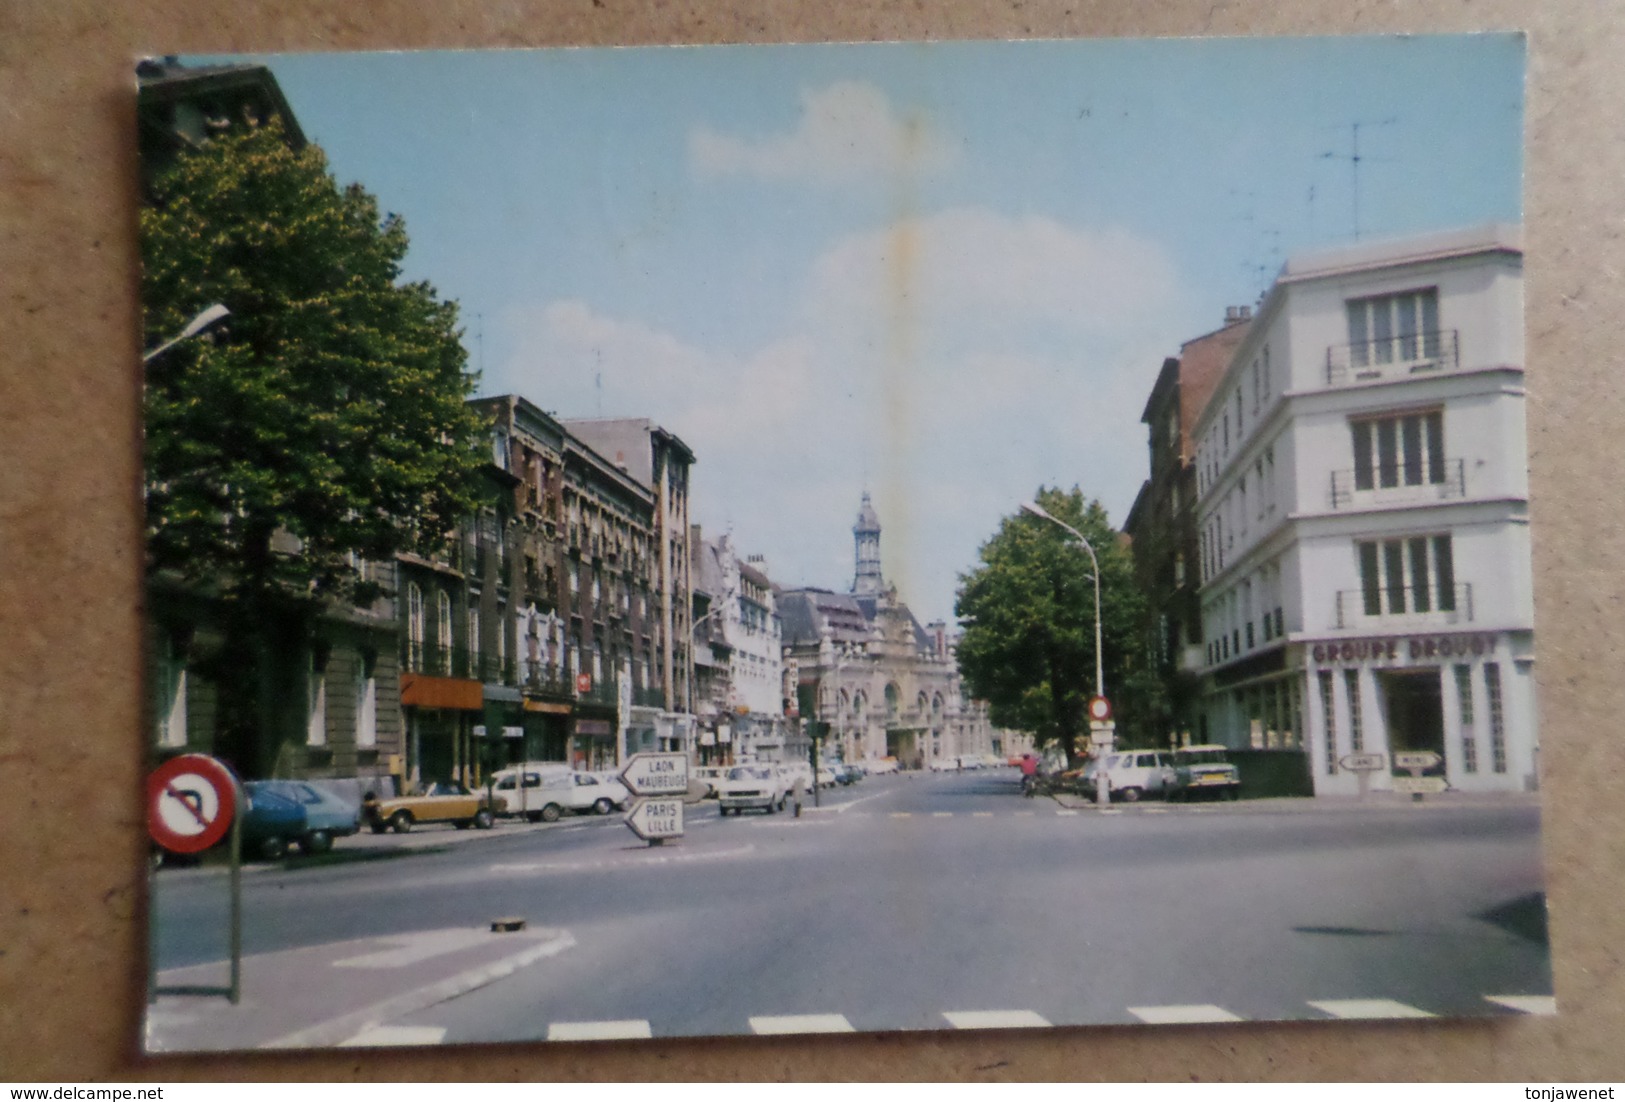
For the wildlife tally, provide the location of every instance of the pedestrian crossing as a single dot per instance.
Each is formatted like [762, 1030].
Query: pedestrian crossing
[1368, 1009]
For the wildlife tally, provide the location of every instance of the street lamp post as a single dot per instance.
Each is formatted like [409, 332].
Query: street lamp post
[206, 318]
[1102, 781]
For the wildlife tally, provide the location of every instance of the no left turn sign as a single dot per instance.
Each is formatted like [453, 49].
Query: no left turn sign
[190, 803]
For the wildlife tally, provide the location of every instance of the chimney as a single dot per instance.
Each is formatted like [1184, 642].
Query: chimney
[1236, 314]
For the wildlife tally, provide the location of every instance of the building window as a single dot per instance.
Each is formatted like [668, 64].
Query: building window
[1498, 734]
[1328, 716]
[366, 702]
[414, 626]
[1394, 451]
[1407, 575]
[442, 627]
[1464, 698]
[1394, 328]
[1351, 681]
[169, 710]
[316, 700]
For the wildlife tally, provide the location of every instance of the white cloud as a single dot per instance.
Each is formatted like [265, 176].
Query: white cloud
[949, 364]
[848, 132]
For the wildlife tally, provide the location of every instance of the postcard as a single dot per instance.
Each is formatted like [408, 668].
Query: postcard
[672, 542]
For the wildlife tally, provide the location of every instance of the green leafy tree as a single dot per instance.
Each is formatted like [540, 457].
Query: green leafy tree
[323, 424]
[1028, 618]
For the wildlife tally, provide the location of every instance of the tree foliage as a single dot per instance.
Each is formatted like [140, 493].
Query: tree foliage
[1028, 618]
[330, 405]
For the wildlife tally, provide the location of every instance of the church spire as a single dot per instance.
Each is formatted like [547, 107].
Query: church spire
[866, 534]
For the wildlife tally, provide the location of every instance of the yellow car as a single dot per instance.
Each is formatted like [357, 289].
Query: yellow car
[442, 802]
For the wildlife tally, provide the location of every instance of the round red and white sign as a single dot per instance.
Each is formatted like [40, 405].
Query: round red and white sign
[190, 803]
[1100, 709]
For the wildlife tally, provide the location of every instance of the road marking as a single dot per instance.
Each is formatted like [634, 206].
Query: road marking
[1155, 810]
[1367, 1008]
[627, 1030]
[981, 815]
[1065, 811]
[995, 1019]
[902, 815]
[637, 858]
[391, 1036]
[416, 948]
[1182, 1015]
[802, 1023]
[942, 815]
[1544, 1005]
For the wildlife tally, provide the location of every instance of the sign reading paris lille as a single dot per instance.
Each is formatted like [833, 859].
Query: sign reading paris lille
[662, 779]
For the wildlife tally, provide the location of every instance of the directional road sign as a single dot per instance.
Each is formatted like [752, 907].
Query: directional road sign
[190, 803]
[657, 818]
[1362, 763]
[1416, 759]
[652, 774]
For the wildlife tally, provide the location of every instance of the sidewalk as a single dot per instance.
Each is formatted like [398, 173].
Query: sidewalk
[1287, 805]
[326, 995]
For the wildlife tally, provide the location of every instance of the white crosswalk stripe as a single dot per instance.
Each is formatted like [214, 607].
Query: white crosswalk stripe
[1543, 1005]
[625, 1030]
[392, 1036]
[995, 1019]
[1367, 1008]
[801, 1023]
[1183, 1015]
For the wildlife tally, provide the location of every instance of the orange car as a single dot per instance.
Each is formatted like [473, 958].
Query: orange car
[442, 802]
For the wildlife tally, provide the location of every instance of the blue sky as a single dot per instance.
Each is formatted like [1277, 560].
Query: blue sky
[946, 273]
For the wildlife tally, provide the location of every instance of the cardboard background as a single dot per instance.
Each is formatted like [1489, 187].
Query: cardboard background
[71, 878]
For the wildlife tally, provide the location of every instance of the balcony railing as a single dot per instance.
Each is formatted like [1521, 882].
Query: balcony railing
[544, 679]
[431, 657]
[1399, 484]
[649, 698]
[1391, 357]
[1405, 606]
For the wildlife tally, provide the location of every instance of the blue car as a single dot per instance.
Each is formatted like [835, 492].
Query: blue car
[326, 816]
[271, 822]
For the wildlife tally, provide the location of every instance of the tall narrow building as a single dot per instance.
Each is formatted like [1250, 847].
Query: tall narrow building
[866, 534]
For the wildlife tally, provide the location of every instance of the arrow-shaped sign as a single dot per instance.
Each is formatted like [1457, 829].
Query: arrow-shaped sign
[655, 819]
[652, 774]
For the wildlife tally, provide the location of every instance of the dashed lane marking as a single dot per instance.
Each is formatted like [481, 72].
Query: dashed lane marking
[1543, 1005]
[637, 859]
[393, 1036]
[942, 815]
[995, 1019]
[1183, 1015]
[1367, 1008]
[902, 815]
[1064, 811]
[625, 1030]
[802, 1023]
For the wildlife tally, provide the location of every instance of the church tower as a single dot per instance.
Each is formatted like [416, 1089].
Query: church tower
[866, 533]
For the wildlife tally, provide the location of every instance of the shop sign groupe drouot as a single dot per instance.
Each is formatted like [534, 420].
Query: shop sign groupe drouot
[1401, 648]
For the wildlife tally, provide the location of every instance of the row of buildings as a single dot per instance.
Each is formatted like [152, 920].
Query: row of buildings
[579, 618]
[1335, 531]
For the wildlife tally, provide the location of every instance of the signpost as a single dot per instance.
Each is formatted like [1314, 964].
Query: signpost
[1365, 765]
[192, 803]
[662, 778]
[1416, 762]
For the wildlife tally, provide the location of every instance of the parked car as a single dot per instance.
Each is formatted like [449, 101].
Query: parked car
[1203, 770]
[599, 793]
[709, 776]
[326, 816]
[745, 786]
[1132, 774]
[883, 765]
[537, 791]
[440, 802]
[271, 822]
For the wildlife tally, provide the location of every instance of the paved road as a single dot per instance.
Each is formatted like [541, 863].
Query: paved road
[934, 901]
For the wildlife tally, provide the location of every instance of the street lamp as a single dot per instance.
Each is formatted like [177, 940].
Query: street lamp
[208, 317]
[1102, 782]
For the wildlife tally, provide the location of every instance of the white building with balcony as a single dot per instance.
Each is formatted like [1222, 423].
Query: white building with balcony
[1363, 508]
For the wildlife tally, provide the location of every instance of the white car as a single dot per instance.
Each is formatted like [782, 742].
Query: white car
[599, 793]
[543, 791]
[1132, 774]
[880, 766]
[745, 786]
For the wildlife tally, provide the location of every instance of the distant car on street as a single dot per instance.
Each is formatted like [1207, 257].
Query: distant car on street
[881, 766]
[752, 786]
[326, 816]
[1132, 774]
[1204, 770]
[598, 793]
[709, 775]
[271, 823]
[440, 802]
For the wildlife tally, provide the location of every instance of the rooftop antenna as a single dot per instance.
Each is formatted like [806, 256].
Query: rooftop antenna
[598, 379]
[1354, 157]
[479, 339]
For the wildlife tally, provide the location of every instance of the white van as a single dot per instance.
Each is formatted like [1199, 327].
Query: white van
[540, 791]
[1132, 774]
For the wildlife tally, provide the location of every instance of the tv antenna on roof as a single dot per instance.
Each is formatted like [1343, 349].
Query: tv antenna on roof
[1354, 157]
